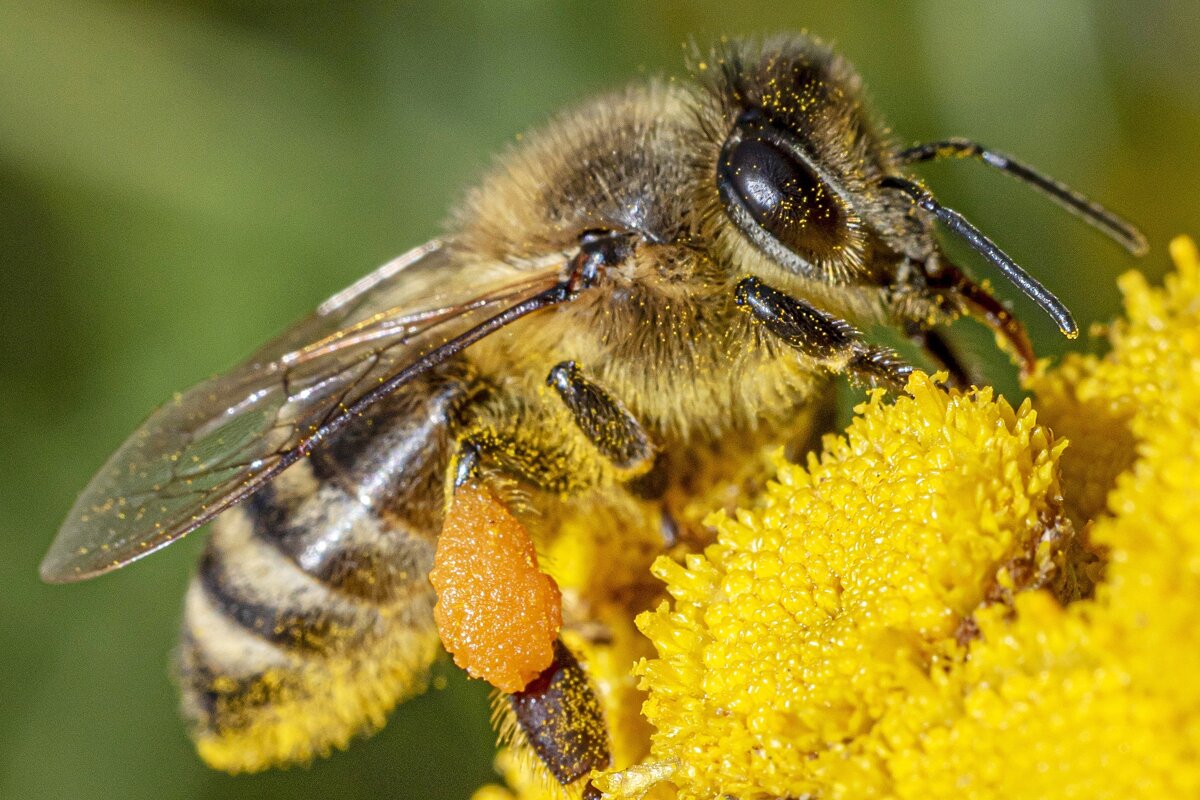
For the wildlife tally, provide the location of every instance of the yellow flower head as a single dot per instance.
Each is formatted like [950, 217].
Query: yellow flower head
[844, 595]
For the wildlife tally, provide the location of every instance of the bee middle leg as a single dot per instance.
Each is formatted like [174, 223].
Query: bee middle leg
[820, 335]
[602, 418]
[624, 446]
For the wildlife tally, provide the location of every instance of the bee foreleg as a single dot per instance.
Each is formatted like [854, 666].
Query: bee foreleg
[602, 418]
[831, 341]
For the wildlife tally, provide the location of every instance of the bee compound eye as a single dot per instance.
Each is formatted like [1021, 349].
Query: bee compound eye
[782, 195]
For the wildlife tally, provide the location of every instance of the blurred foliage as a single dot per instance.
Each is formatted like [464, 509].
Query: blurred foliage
[178, 180]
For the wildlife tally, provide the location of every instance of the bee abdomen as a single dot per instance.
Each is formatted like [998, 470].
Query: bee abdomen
[311, 614]
[284, 622]
[335, 539]
[363, 513]
[278, 665]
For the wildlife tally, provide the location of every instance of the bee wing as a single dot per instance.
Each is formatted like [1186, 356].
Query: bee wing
[221, 440]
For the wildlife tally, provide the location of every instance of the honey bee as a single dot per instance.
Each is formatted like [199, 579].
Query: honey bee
[657, 276]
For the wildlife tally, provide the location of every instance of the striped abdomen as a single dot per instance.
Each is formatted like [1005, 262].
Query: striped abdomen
[310, 615]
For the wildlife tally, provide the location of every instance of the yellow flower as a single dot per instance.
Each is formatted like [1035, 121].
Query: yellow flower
[845, 595]
[1101, 698]
[953, 599]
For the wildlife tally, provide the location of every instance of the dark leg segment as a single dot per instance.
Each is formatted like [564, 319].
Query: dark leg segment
[969, 296]
[562, 720]
[603, 420]
[937, 348]
[822, 336]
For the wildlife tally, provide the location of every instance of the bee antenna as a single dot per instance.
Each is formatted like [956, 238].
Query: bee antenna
[1090, 212]
[991, 251]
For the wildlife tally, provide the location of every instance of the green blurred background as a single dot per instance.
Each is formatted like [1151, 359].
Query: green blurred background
[178, 180]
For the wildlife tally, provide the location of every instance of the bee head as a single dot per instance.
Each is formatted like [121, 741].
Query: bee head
[809, 181]
[800, 164]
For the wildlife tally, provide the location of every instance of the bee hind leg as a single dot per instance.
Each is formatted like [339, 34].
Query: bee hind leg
[832, 342]
[556, 714]
[560, 718]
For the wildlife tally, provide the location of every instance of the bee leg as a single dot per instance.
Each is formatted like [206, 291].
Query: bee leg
[965, 295]
[561, 719]
[602, 418]
[488, 455]
[557, 713]
[817, 334]
[554, 464]
[940, 350]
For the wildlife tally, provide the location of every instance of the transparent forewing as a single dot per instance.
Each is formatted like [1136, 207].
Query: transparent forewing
[216, 443]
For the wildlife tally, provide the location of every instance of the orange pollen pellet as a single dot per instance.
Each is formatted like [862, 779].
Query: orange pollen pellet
[497, 613]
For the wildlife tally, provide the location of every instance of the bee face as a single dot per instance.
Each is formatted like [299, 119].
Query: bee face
[798, 172]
